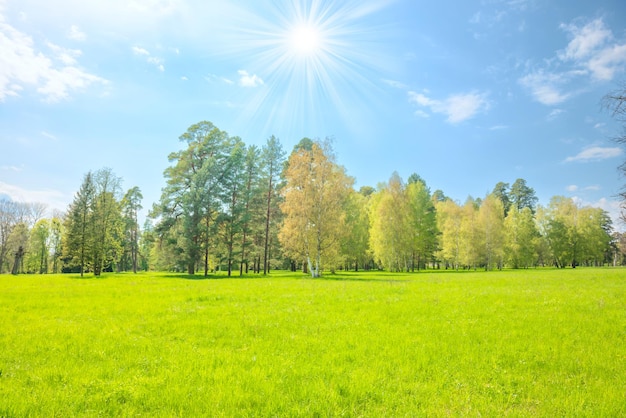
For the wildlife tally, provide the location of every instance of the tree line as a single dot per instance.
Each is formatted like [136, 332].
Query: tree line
[242, 208]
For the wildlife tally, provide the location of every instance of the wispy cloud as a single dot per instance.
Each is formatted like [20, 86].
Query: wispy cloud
[554, 114]
[395, 84]
[593, 48]
[54, 75]
[156, 61]
[11, 168]
[591, 54]
[247, 80]
[48, 135]
[457, 108]
[212, 78]
[595, 154]
[75, 34]
[498, 127]
[54, 198]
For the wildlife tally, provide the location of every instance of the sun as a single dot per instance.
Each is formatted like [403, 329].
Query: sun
[305, 39]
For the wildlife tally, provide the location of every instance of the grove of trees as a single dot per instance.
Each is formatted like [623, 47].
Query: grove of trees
[240, 208]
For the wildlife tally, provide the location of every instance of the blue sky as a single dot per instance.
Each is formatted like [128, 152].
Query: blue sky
[464, 93]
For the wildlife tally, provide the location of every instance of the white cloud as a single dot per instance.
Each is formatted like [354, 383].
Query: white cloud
[586, 40]
[545, 87]
[394, 84]
[593, 48]
[213, 78]
[554, 114]
[76, 34]
[595, 154]
[151, 59]
[457, 108]
[184, 78]
[592, 54]
[54, 76]
[140, 51]
[48, 135]
[247, 80]
[498, 127]
[11, 168]
[54, 198]
[572, 188]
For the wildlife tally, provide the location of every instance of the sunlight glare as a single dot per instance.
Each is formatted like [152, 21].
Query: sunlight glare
[305, 39]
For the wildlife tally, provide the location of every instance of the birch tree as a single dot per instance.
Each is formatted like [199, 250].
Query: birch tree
[314, 194]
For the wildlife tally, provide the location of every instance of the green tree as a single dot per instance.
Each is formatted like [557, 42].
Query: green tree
[131, 205]
[471, 242]
[422, 222]
[449, 221]
[355, 246]
[272, 157]
[521, 238]
[106, 220]
[523, 196]
[501, 191]
[491, 234]
[38, 244]
[193, 195]
[390, 225]
[78, 238]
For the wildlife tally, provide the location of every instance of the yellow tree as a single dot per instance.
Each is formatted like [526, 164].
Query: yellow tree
[390, 230]
[449, 218]
[491, 236]
[314, 195]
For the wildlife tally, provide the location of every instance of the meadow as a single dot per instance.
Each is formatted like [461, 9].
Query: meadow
[510, 343]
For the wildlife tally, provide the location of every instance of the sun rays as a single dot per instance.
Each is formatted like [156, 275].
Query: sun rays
[317, 60]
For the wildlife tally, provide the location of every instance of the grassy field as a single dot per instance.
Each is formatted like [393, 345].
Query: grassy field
[512, 343]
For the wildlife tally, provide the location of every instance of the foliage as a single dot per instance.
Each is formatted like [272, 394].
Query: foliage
[314, 196]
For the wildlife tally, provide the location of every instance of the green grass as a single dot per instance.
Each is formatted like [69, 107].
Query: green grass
[512, 343]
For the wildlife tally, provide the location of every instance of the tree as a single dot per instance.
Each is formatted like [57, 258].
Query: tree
[449, 221]
[314, 194]
[491, 224]
[470, 235]
[355, 246]
[422, 222]
[106, 220]
[78, 239]
[193, 195]
[521, 238]
[615, 103]
[8, 219]
[390, 230]
[501, 192]
[38, 244]
[272, 157]
[131, 205]
[523, 196]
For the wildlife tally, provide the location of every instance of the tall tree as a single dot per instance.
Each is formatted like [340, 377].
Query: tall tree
[390, 229]
[501, 191]
[615, 102]
[354, 246]
[449, 221]
[422, 222]
[77, 242]
[106, 219]
[131, 205]
[38, 244]
[251, 206]
[522, 196]
[521, 238]
[314, 195]
[272, 157]
[193, 195]
[491, 224]
[9, 217]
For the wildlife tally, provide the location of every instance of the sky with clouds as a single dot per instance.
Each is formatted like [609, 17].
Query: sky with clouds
[464, 93]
